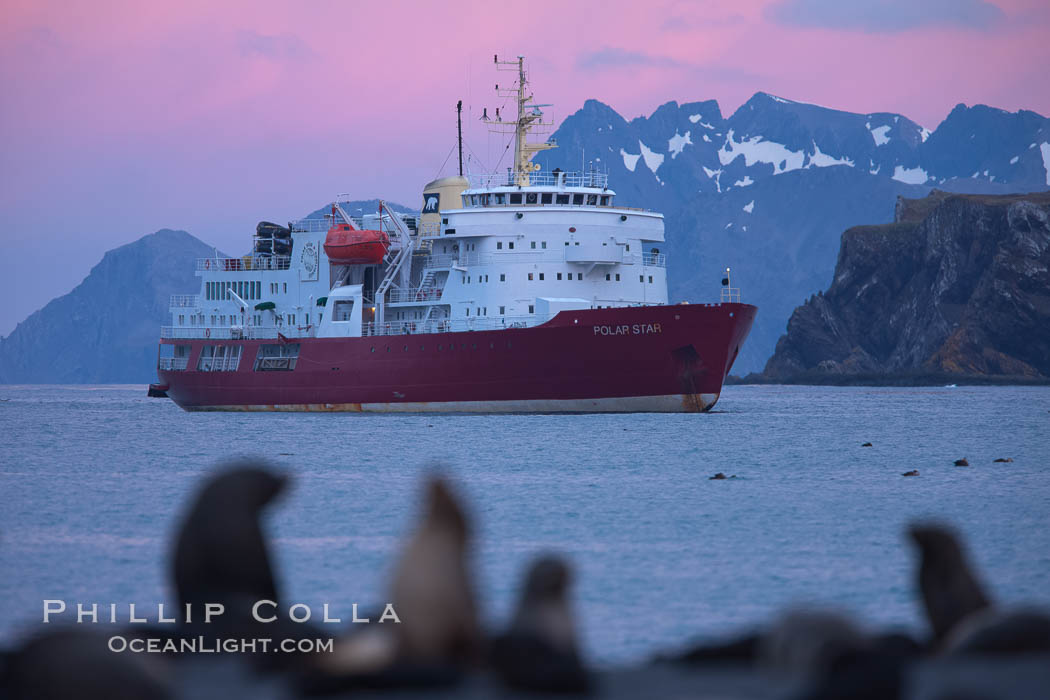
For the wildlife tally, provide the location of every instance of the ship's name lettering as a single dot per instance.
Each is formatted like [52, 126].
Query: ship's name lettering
[635, 329]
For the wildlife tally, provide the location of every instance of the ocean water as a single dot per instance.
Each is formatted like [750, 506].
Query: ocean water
[93, 479]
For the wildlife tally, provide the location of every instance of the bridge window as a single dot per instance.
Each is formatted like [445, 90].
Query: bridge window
[530, 198]
[592, 199]
[605, 200]
[546, 198]
[500, 198]
[515, 198]
[577, 199]
[563, 199]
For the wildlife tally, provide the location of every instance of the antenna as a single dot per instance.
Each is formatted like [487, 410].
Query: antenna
[529, 118]
[459, 133]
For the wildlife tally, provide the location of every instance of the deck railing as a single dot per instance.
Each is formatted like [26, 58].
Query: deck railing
[458, 325]
[396, 296]
[243, 264]
[185, 301]
[730, 295]
[231, 332]
[174, 364]
[544, 178]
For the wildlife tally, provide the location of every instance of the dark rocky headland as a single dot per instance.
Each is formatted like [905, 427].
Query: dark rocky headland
[956, 289]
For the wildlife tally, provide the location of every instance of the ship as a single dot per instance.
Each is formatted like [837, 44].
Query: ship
[518, 291]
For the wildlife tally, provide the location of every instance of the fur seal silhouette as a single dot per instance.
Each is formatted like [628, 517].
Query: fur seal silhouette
[806, 641]
[867, 444]
[913, 472]
[950, 591]
[962, 462]
[75, 663]
[432, 590]
[1001, 632]
[221, 553]
[1002, 460]
[538, 651]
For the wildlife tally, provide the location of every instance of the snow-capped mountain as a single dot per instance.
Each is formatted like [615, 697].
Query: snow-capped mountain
[769, 190]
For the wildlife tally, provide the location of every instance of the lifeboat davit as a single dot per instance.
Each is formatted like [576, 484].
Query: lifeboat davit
[349, 246]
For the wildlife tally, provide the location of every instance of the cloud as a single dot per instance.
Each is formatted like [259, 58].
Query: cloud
[604, 59]
[276, 48]
[886, 16]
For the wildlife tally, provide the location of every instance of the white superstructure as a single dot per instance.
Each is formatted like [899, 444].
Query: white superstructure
[485, 252]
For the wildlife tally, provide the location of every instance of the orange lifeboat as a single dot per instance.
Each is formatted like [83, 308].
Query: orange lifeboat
[347, 246]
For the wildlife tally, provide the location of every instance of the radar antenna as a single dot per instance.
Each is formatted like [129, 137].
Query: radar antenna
[530, 119]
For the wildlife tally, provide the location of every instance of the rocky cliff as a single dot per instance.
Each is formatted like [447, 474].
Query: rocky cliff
[106, 329]
[956, 285]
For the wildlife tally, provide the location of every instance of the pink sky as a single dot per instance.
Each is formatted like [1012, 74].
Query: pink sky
[119, 118]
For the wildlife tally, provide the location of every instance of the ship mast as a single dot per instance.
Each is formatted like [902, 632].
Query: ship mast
[530, 118]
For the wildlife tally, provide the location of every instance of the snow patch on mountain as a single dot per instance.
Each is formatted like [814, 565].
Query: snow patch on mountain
[653, 160]
[677, 143]
[630, 160]
[1014, 160]
[910, 176]
[823, 160]
[1045, 149]
[745, 182]
[706, 138]
[715, 175]
[694, 118]
[755, 150]
[924, 133]
[750, 206]
[880, 134]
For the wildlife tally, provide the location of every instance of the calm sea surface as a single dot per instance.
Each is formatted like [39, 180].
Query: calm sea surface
[92, 480]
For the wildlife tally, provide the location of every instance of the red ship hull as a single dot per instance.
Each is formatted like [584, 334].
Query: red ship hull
[655, 358]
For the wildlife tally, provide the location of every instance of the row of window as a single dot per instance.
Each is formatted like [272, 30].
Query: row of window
[563, 198]
[471, 247]
[245, 289]
[249, 290]
[533, 276]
